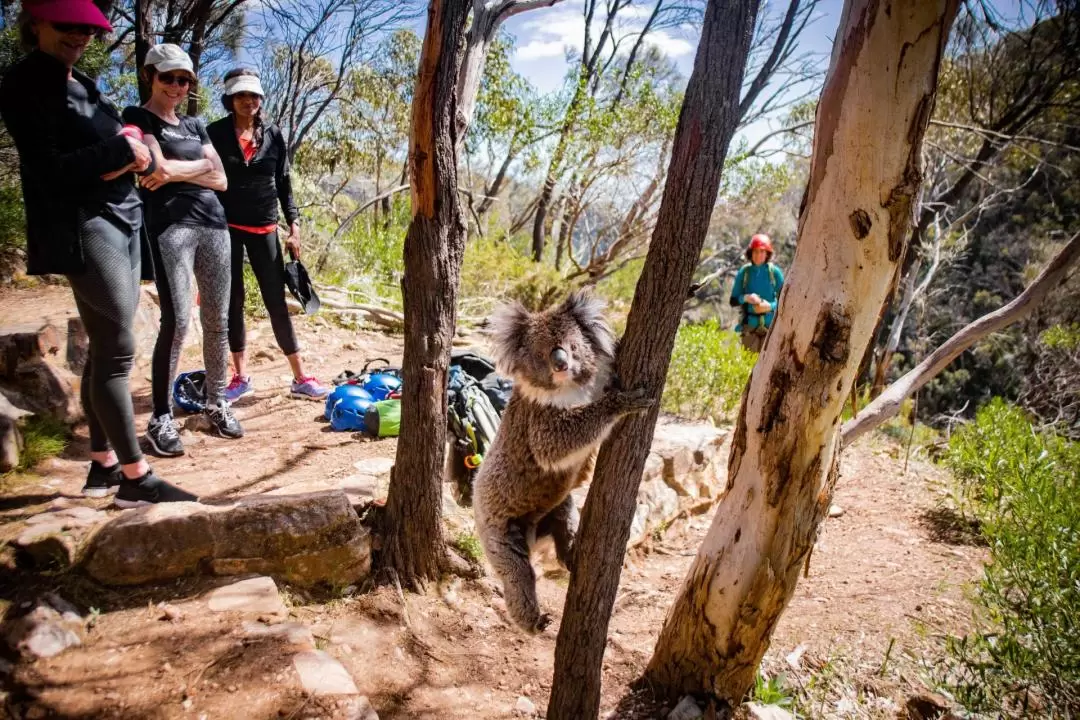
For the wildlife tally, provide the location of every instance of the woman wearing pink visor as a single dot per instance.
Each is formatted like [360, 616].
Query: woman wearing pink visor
[84, 220]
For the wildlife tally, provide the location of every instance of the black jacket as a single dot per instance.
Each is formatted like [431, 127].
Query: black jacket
[64, 146]
[256, 187]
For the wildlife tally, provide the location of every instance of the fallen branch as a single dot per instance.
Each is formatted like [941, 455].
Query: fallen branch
[888, 403]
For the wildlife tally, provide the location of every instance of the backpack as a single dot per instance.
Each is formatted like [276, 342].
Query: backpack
[773, 280]
[772, 276]
[472, 416]
[383, 419]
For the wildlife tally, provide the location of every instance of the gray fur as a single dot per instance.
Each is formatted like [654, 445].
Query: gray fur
[547, 440]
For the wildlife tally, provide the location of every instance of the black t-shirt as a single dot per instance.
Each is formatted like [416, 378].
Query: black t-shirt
[119, 200]
[178, 203]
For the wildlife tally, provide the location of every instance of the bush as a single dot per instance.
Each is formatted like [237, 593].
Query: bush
[709, 369]
[495, 271]
[43, 438]
[1022, 489]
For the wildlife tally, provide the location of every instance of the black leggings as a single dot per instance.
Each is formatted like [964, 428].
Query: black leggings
[264, 254]
[107, 295]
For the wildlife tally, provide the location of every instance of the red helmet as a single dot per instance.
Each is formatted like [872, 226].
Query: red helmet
[760, 241]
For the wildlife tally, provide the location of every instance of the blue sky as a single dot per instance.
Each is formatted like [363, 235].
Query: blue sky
[542, 37]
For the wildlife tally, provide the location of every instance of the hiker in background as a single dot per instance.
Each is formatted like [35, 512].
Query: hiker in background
[188, 235]
[756, 291]
[84, 220]
[256, 162]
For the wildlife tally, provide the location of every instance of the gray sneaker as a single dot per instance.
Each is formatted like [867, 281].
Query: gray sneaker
[163, 436]
[222, 420]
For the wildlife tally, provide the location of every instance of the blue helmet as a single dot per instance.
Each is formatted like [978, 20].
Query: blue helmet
[348, 413]
[189, 391]
[382, 384]
[344, 391]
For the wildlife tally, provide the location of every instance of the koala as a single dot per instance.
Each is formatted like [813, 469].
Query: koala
[564, 404]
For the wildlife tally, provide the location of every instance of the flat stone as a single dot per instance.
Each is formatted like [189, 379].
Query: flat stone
[296, 634]
[46, 546]
[254, 595]
[302, 539]
[320, 674]
[374, 466]
[767, 712]
[357, 708]
[835, 511]
[687, 709]
[525, 706]
[46, 631]
[358, 632]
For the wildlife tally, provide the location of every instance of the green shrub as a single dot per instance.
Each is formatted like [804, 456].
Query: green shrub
[495, 271]
[1022, 489]
[43, 438]
[709, 369]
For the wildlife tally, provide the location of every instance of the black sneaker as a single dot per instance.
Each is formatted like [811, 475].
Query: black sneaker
[101, 480]
[222, 420]
[163, 436]
[149, 490]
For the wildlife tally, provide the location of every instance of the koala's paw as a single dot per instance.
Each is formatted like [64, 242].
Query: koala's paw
[542, 623]
[633, 401]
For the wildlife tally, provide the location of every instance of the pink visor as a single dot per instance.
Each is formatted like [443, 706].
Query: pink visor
[72, 12]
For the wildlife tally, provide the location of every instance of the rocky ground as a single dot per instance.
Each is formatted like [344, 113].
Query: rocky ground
[884, 586]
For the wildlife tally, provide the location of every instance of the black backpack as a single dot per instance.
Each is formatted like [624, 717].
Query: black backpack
[476, 397]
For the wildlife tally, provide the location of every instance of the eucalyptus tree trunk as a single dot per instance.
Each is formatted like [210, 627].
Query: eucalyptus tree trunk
[865, 174]
[707, 122]
[413, 542]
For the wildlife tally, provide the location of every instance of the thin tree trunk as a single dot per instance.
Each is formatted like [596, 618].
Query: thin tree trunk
[888, 403]
[864, 180]
[144, 40]
[195, 52]
[707, 122]
[434, 247]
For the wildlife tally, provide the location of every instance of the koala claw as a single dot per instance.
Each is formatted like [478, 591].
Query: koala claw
[636, 400]
[542, 623]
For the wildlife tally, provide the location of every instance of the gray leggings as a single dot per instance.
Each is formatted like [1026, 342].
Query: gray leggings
[180, 251]
[107, 294]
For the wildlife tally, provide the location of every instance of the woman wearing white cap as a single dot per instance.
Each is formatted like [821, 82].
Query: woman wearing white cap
[188, 235]
[256, 162]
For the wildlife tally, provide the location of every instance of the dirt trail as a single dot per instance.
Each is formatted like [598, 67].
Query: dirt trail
[879, 584]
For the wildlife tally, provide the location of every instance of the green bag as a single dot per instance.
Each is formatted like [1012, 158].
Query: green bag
[383, 419]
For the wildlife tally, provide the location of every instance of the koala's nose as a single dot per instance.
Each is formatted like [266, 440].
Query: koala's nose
[560, 360]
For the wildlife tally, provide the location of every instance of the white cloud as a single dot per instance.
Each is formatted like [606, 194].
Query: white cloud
[537, 49]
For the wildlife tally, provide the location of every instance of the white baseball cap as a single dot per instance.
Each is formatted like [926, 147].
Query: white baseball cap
[166, 57]
[244, 83]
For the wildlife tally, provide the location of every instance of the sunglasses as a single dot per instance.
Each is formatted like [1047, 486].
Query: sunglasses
[170, 79]
[75, 29]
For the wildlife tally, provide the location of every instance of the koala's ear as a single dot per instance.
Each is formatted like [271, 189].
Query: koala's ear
[510, 325]
[588, 311]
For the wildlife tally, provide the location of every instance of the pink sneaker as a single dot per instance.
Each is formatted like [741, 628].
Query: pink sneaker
[308, 388]
[238, 387]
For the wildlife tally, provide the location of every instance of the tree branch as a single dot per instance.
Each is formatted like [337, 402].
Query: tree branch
[888, 403]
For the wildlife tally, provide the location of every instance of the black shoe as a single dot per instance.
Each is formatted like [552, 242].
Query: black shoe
[163, 436]
[101, 480]
[222, 420]
[149, 490]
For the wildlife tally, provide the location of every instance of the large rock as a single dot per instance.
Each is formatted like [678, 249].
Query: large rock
[34, 370]
[303, 539]
[52, 626]
[11, 439]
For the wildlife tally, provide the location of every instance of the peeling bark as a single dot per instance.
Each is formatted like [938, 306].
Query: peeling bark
[864, 177]
[434, 249]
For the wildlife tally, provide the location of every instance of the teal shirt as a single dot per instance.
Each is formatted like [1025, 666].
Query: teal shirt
[767, 288]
